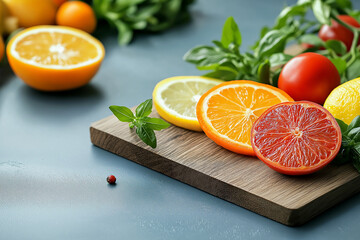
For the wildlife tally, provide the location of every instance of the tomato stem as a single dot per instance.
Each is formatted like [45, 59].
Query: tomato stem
[355, 41]
[352, 28]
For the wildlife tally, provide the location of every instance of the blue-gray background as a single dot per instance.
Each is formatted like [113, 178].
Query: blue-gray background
[53, 181]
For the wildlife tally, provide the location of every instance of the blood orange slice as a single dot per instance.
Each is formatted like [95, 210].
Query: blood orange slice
[296, 138]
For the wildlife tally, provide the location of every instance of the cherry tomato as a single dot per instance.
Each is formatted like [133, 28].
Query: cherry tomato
[309, 76]
[339, 32]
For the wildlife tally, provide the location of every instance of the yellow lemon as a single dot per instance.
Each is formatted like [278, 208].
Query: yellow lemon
[175, 99]
[344, 101]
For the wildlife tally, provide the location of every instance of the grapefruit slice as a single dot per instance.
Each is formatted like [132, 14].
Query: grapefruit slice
[296, 138]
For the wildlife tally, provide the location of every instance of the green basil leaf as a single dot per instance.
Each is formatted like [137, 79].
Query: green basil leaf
[211, 62]
[199, 53]
[356, 156]
[144, 12]
[289, 12]
[231, 33]
[354, 134]
[228, 66]
[139, 25]
[311, 39]
[279, 59]
[353, 71]
[274, 41]
[343, 126]
[129, 11]
[122, 4]
[337, 46]
[222, 74]
[321, 11]
[263, 31]
[125, 34]
[345, 4]
[147, 135]
[124, 114]
[144, 109]
[354, 123]
[170, 9]
[155, 123]
[275, 78]
[264, 72]
[304, 2]
[344, 156]
[356, 137]
[355, 14]
[340, 64]
[344, 78]
[219, 45]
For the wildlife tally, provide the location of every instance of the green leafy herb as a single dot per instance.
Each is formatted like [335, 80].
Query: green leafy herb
[225, 61]
[144, 125]
[128, 16]
[321, 12]
[350, 145]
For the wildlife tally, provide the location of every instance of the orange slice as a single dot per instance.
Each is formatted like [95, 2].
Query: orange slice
[55, 58]
[227, 112]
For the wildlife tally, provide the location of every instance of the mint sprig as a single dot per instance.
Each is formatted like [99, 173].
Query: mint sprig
[144, 125]
[350, 145]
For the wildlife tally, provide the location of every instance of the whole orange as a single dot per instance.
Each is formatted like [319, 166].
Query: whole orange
[78, 15]
[32, 12]
[58, 2]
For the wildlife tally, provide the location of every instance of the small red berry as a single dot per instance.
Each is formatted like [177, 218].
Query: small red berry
[111, 179]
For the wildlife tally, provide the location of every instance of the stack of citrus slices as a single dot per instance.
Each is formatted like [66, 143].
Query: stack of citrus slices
[251, 118]
[225, 111]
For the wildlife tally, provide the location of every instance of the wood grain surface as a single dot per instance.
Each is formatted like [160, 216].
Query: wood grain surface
[194, 159]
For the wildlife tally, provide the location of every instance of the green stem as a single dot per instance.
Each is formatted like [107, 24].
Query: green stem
[352, 28]
[355, 41]
[353, 49]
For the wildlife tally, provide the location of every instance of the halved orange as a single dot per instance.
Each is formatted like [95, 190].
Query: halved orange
[296, 138]
[2, 48]
[227, 112]
[55, 58]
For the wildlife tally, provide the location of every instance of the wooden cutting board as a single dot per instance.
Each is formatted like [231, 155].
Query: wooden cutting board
[192, 158]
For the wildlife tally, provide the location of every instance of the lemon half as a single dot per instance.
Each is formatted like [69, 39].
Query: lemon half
[344, 101]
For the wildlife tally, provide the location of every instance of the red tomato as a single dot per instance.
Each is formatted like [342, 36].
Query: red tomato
[309, 76]
[339, 32]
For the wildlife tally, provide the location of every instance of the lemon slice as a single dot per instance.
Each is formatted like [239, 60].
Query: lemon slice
[175, 99]
[54, 58]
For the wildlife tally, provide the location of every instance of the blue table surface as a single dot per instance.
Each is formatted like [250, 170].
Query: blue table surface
[53, 180]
